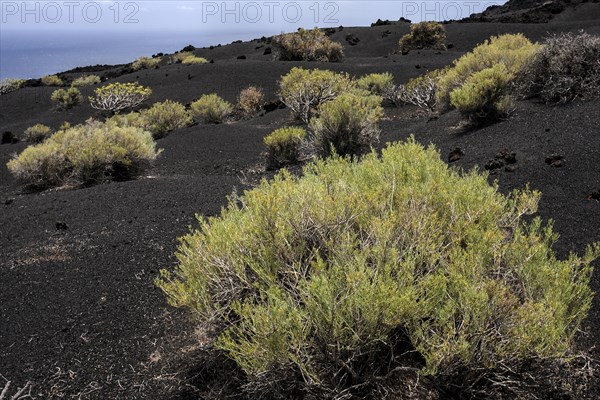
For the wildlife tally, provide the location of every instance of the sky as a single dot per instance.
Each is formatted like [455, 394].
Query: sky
[52, 35]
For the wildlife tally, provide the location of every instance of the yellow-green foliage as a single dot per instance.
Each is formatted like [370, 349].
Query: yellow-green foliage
[52, 80]
[86, 80]
[424, 35]
[311, 276]
[194, 60]
[510, 50]
[10, 85]
[377, 84]
[66, 98]
[303, 90]
[145, 63]
[85, 154]
[37, 133]
[347, 124]
[251, 100]
[283, 145]
[308, 45]
[211, 109]
[187, 57]
[484, 94]
[119, 96]
[164, 117]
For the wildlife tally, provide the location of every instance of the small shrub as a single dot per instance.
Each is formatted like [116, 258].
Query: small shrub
[304, 90]
[512, 51]
[66, 98]
[347, 125]
[187, 57]
[283, 146]
[377, 84]
[308, 45]
[145, 63]
[126, 120]
[211, 109]
[87, 80]
[564, 68]
[10, 85]
[85, 154]
[37, 133]
[420, 91]
[424, 35]
[251, 100]
[194, 60]
[52, 80]
[164, 117]
[119, 96]
[329, 283]
[484, 94]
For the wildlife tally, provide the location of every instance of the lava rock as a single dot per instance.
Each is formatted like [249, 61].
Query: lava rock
[455, 155]
[8, 138]
[267, 51]
[61, 226]
[555, 160]
[241, 57]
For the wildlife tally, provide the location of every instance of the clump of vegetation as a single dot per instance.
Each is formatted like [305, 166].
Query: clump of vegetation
[145, 63]
[347, 125]
[484, 95]
[164, 117]
[564, 68]
[52, 80]
[377, 84]
[211, 109]
[85, 154]
[308, 45]
[251, 100]
[304, 90]
[187, 57]
[119, 96]
[66, 98]
[513, 51]
[86, 80]
[283, 145]
[335, 284]
[424, 35]
[420, 91]
[37, 133]
[10, 85]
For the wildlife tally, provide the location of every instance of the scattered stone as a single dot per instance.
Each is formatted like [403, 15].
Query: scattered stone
[236, 42]
[385, 34]
[352, 40]
[189, 47]
[274, 105]
[494, 164]
[417, 66]
[449, 45]
[594, 196]
[379, 22]
[404, 52]
[241, 57]
[211, 61]
[267, 51]
[61, 226]
[211, 48]
[329, 31]
[455, 155]
[8, 202]
[547, 130]
[555, 160]
[189, 77]
[509, 156]
[510, 168]
[8, 138]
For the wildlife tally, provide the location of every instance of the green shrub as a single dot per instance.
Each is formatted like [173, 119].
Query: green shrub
[66, 98]
[347, 125]
[52, 80]
[251, 100]
[10, 85]
[164, 117]
[564, 68]
[424, 35]
[484, 94]
[85, 154]
[37, 133]
[326, 282]
[86, 80]
[377, 84]
[211, 109]
[145, 63]
[512, 51]
[283, 145]
[194, 60]
[304, 90]
[187, 57]
[118, 96]
[308, 45]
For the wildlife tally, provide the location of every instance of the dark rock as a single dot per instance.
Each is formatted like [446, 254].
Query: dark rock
[189, 77]
[259, 47]
[402, 19]
[379, 22]
[61, 226]
[494, 164]
[404, 52]
[450, 46]
[236, 42]
[274, 105]
[211, 61]
[510, 168]
[352, 40]
[385, 34]
[267, 51]
[8, 138]
[455, 155]
[329, 31]
[555, 160]
[189, 47]
[241, 57]
[8, 202]
[594, 196]
[417, 66]
[509, 156]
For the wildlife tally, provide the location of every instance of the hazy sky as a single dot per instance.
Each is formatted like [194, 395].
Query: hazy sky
[231, 16]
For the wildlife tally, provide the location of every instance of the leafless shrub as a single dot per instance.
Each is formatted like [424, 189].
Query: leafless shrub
[21, 393]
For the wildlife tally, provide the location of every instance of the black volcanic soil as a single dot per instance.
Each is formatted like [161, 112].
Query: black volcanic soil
[79, 314]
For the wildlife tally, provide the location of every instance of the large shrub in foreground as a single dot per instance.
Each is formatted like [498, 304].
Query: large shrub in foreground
[303, 90]
[512, 51]
[85, 154]
[347, 125]
[567, 66]
[323, 280]
[308, 45]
